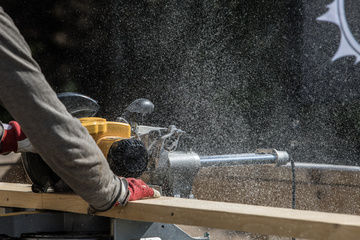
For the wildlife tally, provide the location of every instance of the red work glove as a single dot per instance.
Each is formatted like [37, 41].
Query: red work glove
[138, 190]
[13, 139]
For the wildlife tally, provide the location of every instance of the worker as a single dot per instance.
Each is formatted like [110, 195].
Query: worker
[48, 128]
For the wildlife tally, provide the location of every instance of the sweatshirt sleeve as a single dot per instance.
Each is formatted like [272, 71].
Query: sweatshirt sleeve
[60, 139]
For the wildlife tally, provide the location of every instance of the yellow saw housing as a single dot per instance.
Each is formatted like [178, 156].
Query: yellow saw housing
[105, 133]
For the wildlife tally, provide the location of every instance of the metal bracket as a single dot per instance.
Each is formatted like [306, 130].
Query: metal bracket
[282, 157]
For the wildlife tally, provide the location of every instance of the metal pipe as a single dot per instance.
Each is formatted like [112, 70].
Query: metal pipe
[275, 157]
[238, 159]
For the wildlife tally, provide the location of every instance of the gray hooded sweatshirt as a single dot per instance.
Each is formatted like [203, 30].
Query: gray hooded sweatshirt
[60, 139]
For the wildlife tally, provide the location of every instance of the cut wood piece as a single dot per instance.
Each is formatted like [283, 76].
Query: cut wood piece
[220, 215]
[15, 187]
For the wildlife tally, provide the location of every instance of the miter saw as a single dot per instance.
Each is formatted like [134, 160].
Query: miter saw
[134, 150]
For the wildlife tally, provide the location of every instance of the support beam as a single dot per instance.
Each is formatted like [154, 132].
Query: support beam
[240, 217]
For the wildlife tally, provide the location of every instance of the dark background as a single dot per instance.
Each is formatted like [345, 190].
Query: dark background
[235, 75]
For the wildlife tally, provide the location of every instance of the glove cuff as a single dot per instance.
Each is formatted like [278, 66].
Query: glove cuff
[124, 193]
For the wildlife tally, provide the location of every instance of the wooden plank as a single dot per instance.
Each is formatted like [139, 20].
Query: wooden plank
[65, 202]
[19, 195]
[240, 217]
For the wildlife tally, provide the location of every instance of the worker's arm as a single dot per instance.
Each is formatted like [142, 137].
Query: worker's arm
[61, 140]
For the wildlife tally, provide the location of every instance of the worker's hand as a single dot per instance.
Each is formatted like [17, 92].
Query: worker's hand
[138, 190]
[13, 139]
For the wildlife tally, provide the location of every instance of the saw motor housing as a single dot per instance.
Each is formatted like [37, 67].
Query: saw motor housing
[105, 133]
[127, 157]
